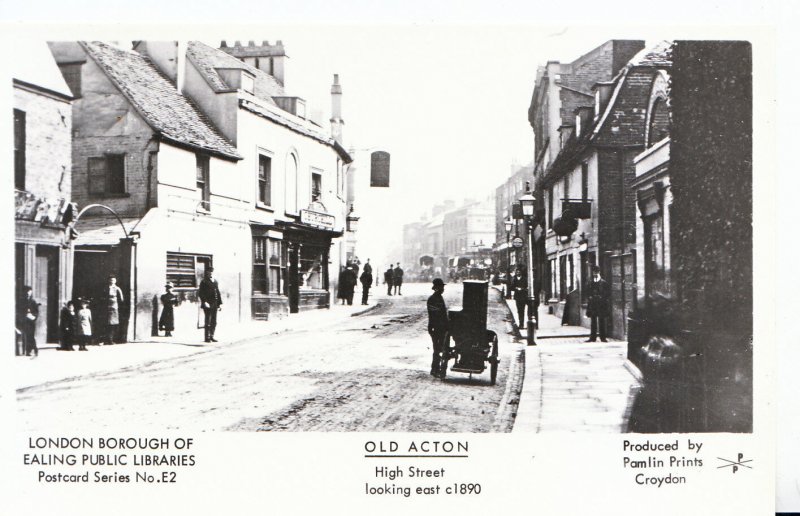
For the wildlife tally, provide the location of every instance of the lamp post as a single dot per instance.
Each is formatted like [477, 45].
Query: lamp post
[508, 223]
[528, 202]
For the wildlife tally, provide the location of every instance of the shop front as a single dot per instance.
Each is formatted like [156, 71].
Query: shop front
[307, 244]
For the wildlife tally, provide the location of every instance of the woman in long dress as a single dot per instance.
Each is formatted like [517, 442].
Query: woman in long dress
[167, 320]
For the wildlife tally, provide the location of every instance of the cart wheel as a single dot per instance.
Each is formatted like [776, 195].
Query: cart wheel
[445, 356]
[493, 357]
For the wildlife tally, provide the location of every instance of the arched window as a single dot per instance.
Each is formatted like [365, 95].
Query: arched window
[659, 121]
[291, 183]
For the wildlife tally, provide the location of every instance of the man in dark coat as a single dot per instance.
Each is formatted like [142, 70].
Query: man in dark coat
[388, 278]
[519, 284]
[27, 313]
[368, 267]
[437, 324]
[366, 284]
[599, 306]
[211, 302]
[349, 282]
[398, 280]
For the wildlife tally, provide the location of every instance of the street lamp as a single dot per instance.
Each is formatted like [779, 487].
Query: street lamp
[352, 221]
[528, 202]
[508, 223]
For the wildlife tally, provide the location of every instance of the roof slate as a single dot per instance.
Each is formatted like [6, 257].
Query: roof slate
[157, 100]
[207, 59]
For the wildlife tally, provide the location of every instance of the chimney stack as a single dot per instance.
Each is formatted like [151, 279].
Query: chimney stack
[336, 110]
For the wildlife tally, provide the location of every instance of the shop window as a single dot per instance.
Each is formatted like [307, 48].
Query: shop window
[311, 267]
[186, 270]
[203, 187]
[107, 175]
[269, 265]
[316, 187]
[19, 149]
[264, 180]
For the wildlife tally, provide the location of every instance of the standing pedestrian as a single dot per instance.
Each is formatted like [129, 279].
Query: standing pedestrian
[340, 288]
[167, 320]
[349, 282]
[599, 305]
[437, 325]
[67, 327]
[83, 325]
[368, 267]
[211, 302]
[398, 279]
[519, 284]
[366, 283]
[388, 278]
[114, 300]
[27, 313]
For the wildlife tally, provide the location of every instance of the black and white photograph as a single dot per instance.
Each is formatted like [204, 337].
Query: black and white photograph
[200, 231]
[403, 236]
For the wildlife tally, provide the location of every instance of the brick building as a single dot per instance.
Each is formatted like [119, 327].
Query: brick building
[43, 187]
[505, 196]
[588, 125]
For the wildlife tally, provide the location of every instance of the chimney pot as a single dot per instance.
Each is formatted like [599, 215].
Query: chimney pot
[223, 44]
[237, 44]
[265, 43]
[251, 43]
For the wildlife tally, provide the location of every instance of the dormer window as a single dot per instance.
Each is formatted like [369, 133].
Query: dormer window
[248, 83]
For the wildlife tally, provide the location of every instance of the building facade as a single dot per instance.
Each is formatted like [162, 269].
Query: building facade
[43, 188]
[190, 149]
[586, 134]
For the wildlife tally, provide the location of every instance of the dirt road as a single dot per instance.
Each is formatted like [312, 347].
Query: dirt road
[365, 373]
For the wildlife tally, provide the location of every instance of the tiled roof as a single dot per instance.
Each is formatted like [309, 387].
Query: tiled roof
[157, 100]
[659, 55]
[208, 59]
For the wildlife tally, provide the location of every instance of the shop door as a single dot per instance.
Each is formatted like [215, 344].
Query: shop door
[45, 290]
[294, 283]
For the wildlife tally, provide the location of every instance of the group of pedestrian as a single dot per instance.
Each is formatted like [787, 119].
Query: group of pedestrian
[75, 326]
[393, 277]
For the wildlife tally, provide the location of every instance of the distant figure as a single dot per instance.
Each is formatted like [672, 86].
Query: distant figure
[114, 300]
[27, 313]
[340, 286]
[599, 305]
[437, 324]
[211, 302]
[368, 267]
[167, 320]
[519, 284]
[388, 278]
[349, 282]
[366, 283]
[398, 279]
[67, 326]
[83, 325]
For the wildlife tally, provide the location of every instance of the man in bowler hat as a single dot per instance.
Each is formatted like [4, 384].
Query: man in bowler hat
[437, 324]
[599, 306]
[211, 302]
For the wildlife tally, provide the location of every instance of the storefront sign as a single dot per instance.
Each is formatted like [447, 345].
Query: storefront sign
[315, 218]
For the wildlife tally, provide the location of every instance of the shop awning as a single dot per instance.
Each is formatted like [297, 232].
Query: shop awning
[103, 230]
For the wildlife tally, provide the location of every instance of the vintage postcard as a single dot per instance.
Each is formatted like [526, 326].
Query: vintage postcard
[381, 268]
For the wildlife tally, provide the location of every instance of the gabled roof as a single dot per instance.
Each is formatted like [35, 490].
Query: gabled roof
[208, 59]
[157, 100]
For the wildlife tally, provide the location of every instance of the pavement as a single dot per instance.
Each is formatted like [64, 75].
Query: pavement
[571, 385]
[53, 365]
